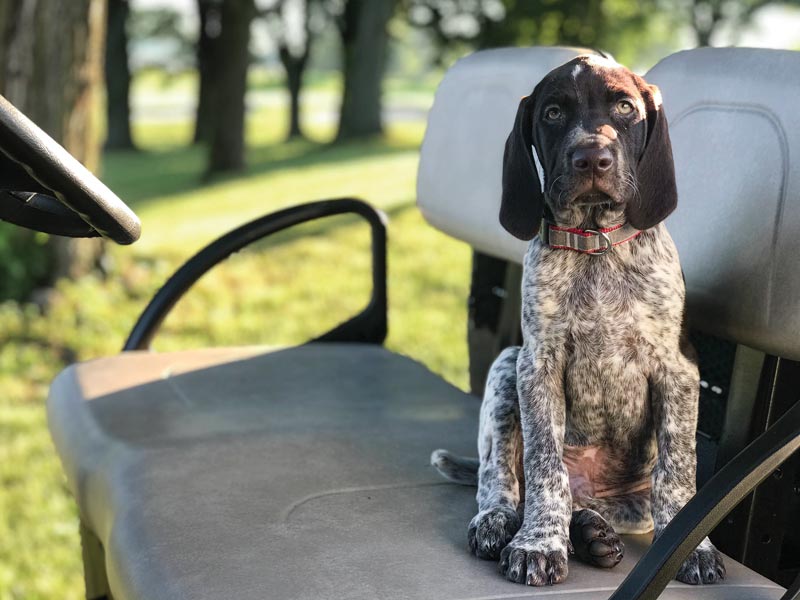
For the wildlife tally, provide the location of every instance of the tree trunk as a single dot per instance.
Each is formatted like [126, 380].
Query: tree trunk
[50, 68]
[232, 51]
[294, 67]
[703, 37]
[118, 78]
[364, 42]
[207, 40]
[706, 15]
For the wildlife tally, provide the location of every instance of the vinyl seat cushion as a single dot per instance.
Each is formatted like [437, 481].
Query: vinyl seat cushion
[299, 473]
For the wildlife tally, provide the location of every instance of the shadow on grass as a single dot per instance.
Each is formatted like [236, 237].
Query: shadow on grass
[313, 229]
[140, 177]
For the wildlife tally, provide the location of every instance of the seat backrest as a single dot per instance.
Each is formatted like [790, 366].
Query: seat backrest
[735, 127]
[460, 168]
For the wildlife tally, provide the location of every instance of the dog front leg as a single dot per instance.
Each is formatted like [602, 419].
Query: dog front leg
[500, 450]
[675, 395]
[537, 555]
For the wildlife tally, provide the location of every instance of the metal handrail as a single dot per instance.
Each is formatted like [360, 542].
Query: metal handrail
[369, 326]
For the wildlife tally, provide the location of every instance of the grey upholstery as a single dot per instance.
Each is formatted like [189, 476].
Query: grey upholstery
[298, 473]
[460, 167]
[735, 129]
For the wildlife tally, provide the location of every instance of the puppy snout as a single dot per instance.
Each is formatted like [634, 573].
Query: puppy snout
[592, 159]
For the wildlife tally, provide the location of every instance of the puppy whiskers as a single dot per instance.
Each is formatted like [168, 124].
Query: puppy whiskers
[552, 185]
[630, 181]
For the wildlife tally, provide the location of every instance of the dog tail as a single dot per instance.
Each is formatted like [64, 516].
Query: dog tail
[459, 469]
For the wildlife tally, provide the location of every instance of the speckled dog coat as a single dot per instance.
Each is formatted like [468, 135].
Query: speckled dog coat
[587, 430]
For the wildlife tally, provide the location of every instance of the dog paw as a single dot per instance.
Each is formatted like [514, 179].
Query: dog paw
[491, 530]
[594, 541]
[539, 563]
[704, 565]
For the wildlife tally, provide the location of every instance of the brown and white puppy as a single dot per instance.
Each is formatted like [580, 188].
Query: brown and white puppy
[603, 151]
[588, 429]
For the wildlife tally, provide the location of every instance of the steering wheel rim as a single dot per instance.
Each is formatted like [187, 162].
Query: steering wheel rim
[36, 163]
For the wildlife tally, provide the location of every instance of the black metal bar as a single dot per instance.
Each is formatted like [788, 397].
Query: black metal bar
[369, 326]
[793, 593]
[708, 507]
[770, 520]
[757, 532]
[732, 539]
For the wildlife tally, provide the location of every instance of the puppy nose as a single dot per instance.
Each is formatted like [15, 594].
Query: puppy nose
[594, 159]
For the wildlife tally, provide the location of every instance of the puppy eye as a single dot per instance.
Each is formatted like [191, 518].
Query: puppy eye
[624, 107]
[552, 113]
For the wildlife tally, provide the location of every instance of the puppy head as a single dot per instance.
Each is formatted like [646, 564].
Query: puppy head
[602, 144]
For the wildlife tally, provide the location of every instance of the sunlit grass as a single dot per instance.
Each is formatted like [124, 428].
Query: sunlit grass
[282, 291]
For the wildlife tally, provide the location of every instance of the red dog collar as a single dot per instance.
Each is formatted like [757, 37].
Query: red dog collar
[587, 241]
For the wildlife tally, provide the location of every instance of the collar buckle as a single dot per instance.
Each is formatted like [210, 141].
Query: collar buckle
[586, 241]
[606, 240]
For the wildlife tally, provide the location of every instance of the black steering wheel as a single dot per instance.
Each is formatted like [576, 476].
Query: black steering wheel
[43, 187]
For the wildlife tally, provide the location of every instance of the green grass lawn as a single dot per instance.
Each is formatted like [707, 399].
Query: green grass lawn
[283, 291]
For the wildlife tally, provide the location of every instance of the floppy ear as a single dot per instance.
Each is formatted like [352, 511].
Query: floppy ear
[522, 202]
[658, 193]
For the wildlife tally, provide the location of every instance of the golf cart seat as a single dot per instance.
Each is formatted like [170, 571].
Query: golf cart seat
[303, 472]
